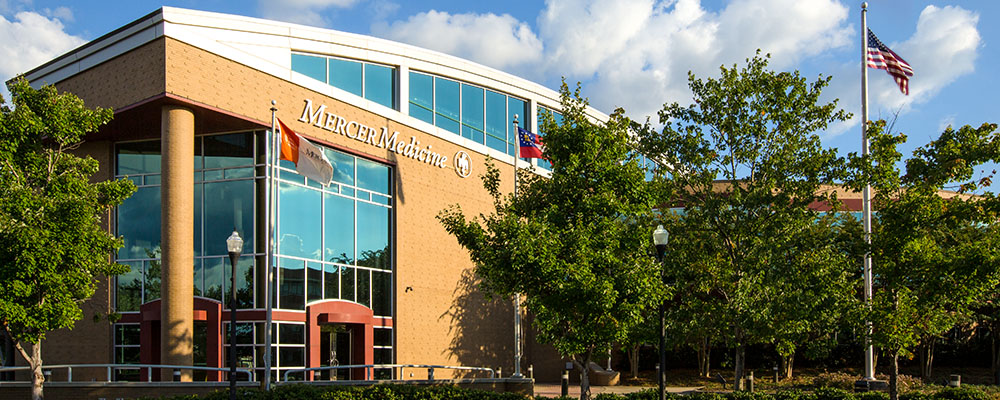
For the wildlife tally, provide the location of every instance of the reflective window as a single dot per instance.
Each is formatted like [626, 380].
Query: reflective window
[496, 121]
[472, 113]
[139, 224]
[557, 118]
[372, 81]
[311, 66]
[373, 236]
[374, 176]
[338, 229]
[422, 97]
[224, 198]
[447, 104]
[343, 166]
[346, 75]
[380, 84]
[299, 222]
[129, 290]
[139, 158]
[229, 207]
[517, 109]
[478, 114]
[291, 284]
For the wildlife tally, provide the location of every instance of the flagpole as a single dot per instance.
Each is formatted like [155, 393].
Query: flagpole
[517, 296]
[866, 203]
[269, 241]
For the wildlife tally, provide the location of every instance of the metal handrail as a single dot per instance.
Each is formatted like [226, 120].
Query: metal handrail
[113, 367]
[368, 367]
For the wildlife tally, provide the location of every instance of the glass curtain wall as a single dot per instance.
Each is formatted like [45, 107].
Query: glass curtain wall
[476, 113]
[333, 242]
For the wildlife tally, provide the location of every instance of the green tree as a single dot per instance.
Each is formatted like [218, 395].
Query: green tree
[746, 166]
[52, 244]
[575, 244]
[936, 255]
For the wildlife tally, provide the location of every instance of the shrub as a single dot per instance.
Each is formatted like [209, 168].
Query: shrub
[961, 393]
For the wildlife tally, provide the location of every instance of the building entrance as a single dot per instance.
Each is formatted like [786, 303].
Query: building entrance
[336, 348]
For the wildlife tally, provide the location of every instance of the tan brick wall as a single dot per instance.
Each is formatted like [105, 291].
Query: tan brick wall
[123, 80]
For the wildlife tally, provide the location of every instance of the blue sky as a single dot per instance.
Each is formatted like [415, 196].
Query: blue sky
[629, 53]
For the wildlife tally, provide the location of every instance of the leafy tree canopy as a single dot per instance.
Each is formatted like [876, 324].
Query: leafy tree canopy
[575, 244]
[52, 241]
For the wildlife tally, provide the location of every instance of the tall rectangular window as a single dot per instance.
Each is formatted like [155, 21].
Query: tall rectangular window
[422, 97]
[347, 75]
[447, 104]
[380, 83]
[472, 113]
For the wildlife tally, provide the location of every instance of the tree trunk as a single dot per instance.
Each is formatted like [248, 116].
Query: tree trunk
[740, 360]
[994, 333]
[584, 367]
[786, 365]
[704, 350]
[894, 377]
[926, 360]
[36, 371]
[633, 360]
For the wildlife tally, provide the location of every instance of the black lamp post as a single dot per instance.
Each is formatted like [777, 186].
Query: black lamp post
[660, 236]
[235, 246]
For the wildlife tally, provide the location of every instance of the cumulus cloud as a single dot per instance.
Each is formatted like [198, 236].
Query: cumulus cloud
[305, 12]
[499, 41]
[943, 48]
[28, 40]
[637, 53]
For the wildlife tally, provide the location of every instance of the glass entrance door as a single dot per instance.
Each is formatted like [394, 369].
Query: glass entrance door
[336, 348]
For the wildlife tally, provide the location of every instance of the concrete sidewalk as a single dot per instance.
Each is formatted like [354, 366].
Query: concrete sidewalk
[555, 389]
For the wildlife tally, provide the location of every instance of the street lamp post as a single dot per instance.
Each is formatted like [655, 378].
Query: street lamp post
[660, 237]
[235, 246]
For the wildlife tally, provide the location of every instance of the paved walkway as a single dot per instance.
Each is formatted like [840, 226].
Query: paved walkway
[555, 389]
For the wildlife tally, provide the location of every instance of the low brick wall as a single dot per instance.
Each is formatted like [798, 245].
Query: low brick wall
[132, 390]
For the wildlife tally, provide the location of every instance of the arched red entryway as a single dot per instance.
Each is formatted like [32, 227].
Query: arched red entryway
[358, 318]
[205, 309]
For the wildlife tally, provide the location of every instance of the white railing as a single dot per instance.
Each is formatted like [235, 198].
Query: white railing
[114, 367]
[368, 369]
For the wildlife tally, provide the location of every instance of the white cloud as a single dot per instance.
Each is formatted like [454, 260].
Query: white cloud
[499, 41]
[305, 12]
[639, 52]
[28, 40]
[943, 48]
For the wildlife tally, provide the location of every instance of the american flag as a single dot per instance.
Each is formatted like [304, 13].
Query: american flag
[881, 57]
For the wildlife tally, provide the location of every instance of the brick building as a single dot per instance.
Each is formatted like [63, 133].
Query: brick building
[363, 272]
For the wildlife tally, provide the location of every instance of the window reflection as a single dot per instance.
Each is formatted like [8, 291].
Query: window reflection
[373, 236]
[346, 75]
[339, 229]
[291, 284]
[380, 82]
[299, 219]
[139, 224]
[422, 97]
[374, 176]
[447, 107]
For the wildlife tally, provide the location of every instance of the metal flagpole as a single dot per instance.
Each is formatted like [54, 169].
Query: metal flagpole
[867, 205]
[269, 242]
[517, 296]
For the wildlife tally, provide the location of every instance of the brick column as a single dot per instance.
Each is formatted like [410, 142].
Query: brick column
[177, 240]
